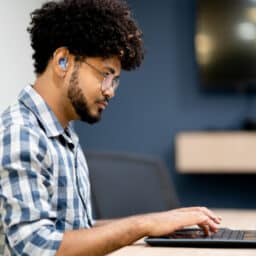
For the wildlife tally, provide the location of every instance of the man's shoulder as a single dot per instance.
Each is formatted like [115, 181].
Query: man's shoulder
[18, 114]
[19, 125]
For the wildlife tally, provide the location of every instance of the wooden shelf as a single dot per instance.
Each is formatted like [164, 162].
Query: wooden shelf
[216, 152]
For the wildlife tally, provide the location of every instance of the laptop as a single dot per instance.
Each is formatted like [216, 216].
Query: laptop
[195, 237]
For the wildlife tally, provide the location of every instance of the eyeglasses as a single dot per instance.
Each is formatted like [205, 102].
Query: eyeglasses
[109, 81]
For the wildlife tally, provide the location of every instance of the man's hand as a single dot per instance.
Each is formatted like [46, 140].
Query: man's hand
[163, 223]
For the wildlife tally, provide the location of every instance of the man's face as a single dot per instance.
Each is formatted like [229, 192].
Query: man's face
[85, 91]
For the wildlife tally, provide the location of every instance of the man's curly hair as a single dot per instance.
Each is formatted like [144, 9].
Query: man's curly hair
[87, 28]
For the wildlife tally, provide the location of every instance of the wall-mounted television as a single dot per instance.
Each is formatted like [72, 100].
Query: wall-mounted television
[225, 43]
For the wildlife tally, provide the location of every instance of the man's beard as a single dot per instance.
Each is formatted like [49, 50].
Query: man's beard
[78, 100]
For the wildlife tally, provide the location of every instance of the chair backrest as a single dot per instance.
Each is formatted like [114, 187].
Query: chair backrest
[127, 184]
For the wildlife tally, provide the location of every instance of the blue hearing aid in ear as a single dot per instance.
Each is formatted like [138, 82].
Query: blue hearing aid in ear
[63, 63]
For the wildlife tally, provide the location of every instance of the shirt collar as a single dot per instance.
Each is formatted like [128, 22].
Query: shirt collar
[32, 100]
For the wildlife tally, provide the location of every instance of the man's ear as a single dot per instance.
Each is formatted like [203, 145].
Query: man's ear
[61, 61]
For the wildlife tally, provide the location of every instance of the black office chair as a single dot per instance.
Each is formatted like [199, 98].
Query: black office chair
[126, 184]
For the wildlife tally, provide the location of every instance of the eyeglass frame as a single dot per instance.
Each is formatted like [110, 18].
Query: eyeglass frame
[114, 80]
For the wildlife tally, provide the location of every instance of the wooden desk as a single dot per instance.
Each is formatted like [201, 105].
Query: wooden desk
[237, 219]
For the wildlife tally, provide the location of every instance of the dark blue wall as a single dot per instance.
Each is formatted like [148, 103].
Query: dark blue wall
[163, 98]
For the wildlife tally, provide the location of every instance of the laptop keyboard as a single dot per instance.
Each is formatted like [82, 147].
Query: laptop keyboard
[228, 234]
[223, 233]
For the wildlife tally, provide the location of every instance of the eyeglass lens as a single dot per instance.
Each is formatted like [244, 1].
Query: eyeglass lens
[109, 81]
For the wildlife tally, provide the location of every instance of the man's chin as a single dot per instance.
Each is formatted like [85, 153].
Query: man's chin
[91, 119]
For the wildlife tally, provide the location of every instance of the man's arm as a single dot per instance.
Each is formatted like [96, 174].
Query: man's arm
[99, 223]
[104, 239]
[27, 217]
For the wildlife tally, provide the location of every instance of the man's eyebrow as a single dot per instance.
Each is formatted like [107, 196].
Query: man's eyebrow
[111, 70]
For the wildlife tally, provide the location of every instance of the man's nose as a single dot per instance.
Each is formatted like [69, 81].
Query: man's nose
[109, 93]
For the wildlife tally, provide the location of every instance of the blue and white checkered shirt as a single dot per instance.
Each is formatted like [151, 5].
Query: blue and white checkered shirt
[44, 185]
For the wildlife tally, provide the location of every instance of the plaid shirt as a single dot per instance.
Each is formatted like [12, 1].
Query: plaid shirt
[44, 185]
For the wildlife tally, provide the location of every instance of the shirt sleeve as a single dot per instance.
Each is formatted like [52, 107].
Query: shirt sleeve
[26, 189]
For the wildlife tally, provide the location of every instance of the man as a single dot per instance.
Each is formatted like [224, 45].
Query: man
[80, 47]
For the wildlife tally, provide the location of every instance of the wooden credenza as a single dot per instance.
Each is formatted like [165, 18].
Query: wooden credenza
[215, 152]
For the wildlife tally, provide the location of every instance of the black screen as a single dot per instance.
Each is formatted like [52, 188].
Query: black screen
[225, 43]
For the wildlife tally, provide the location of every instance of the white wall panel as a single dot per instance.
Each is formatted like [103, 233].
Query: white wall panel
[16, 68]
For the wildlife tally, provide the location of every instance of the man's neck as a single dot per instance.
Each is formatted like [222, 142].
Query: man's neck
[53, 96]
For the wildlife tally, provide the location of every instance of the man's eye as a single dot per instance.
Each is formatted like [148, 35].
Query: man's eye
[106, 73]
